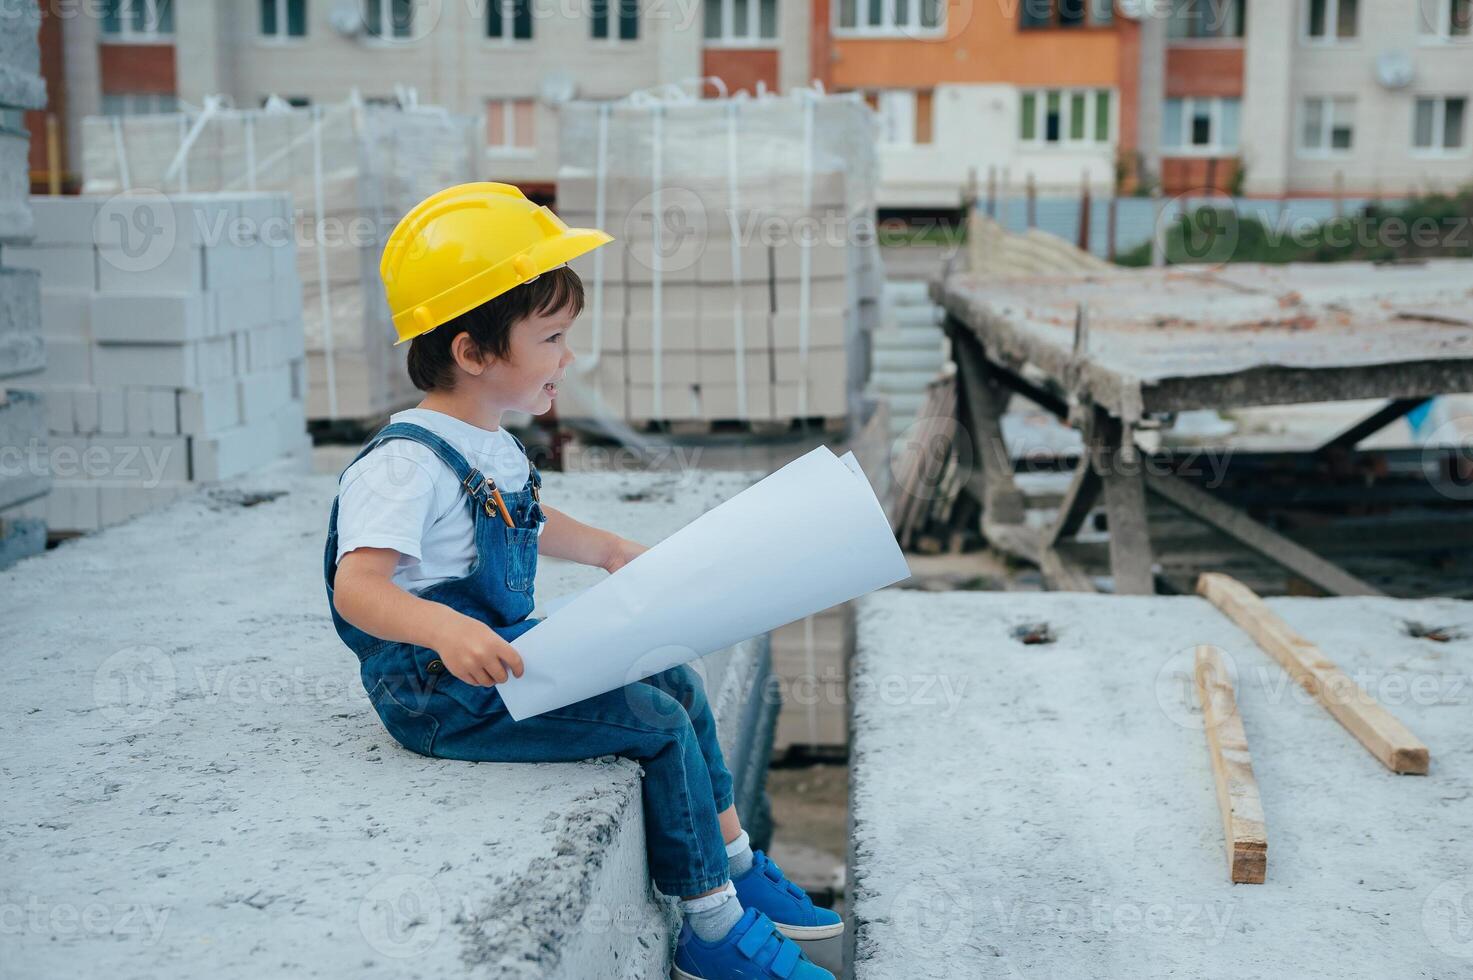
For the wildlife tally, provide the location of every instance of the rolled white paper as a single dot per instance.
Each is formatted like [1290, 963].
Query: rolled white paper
[810, 536]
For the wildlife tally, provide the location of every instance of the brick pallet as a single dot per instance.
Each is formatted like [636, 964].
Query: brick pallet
[24, 477]
[174, 357]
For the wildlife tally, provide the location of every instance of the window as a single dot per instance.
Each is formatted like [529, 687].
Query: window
[509, 20]
[1065, 116]
[1193, 20]
[1328, 21]
[509, 125]
[1043, 14]
[1445, 20]
[889, 18]
[741, 22]
[1440, 124]
[625, 15]
[904, 115]
[295, 101]
[137, 20]
[1200, 126]
[283, 18]
[389, 20]
[1327, 126]
[138, 103]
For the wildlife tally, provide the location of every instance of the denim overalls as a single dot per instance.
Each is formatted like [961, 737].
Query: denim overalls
[664, 722]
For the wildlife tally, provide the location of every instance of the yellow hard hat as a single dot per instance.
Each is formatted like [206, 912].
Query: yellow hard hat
[465, 245]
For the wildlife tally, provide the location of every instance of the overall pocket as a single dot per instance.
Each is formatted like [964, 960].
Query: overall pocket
[521, 557]
[415, 730]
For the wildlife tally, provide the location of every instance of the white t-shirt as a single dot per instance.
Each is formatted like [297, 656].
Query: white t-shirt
[402, 496]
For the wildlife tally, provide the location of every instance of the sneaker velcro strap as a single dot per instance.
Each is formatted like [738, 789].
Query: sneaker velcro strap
[757, 934]
[786, 960]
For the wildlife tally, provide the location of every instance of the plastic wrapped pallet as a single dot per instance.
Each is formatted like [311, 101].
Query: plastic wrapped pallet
[352, 170]
[744, 248]
[22, 354]
[169, 359]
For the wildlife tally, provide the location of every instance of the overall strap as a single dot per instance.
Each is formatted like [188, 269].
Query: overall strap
[418, 433]
[535, 477]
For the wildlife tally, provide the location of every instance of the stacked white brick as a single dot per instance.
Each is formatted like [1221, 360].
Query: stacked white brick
[173, 328]
[24, 476]
[352, 171]
[740, 283]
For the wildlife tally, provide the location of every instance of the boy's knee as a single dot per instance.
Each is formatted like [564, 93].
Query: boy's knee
[655, 708]
[683, 683]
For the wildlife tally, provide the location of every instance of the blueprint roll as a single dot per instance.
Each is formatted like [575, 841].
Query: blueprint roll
[810, 536]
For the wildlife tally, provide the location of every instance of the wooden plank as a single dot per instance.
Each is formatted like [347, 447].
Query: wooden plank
[1371, 424]
[1361, 715]
[1131, 558]
[1238, 525]
[981, 404]
[1232, 770]
[1084, 490]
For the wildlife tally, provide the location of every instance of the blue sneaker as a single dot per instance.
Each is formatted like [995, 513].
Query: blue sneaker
[752, 950]
[765, 888]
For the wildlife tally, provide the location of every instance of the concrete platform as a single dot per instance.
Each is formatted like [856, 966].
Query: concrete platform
[196, 785]
[1037, 811]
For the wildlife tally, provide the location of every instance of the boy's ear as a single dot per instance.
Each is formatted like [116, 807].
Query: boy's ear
[467, 357]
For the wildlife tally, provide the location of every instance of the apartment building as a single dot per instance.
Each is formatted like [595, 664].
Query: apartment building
[1046, 90]
[510, 61]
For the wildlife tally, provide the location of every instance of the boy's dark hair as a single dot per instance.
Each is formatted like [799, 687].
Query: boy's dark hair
[431, 365]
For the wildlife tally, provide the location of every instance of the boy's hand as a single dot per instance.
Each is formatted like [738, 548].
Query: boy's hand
[474, 653]
[621, 553]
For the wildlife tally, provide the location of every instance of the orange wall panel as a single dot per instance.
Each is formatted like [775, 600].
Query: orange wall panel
[51, 71]
[741, 68]
[1181, 175]
[1204, 71]
[982, 44]
[137, 68]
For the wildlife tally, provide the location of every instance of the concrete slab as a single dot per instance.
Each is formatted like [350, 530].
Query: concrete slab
[196, 785]
[1037, 811]
[1198, 337]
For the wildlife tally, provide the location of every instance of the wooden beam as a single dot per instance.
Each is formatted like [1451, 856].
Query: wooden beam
[1371, 424]
[1244, 529]
[1084, 490]
[1361, 715]
[1131, 557]
[1232, 770]
[980, 407]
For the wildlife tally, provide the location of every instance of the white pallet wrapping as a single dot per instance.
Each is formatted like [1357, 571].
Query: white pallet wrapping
[167, 380]
[351, 170]
[737, 224]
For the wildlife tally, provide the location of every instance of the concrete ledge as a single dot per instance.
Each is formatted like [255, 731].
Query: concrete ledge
[1049, 810]
[196, 784]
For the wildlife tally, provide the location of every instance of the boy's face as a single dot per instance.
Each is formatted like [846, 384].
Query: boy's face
[527, 379]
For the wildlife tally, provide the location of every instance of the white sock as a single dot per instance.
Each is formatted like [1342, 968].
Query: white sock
[712, 916]
[739, 856]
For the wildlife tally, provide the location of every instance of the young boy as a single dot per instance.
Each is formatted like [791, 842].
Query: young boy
[432, 550]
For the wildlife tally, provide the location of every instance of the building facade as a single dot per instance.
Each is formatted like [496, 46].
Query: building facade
[1263, 97]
